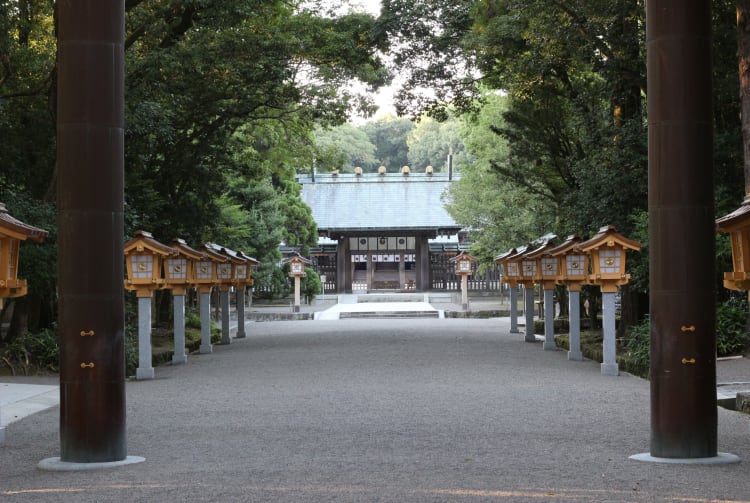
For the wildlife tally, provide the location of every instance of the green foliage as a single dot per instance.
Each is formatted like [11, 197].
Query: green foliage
[310, 284]
[638, 348]
[33, 353]
[731, 326]
[389, 137]
[272, 282]
[348, 147]
[431, 141]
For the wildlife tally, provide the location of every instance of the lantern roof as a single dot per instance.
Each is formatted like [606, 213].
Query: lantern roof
[463, 256]
[608, 236]
[520, 251]
[213, 254]
[143, 240]
[505, 256]
[297, 258]
[16, 229]
[234, 256]
[571, 244]
[738, 218]
[183, 249]
[544, 249]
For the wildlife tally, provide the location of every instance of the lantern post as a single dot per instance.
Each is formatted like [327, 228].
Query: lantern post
[12, 232]
[207, 277]
[510, 275]
[463, 267]
[144, 259]
[225, 278]
[607, 254]
[180, 274]
[297, 265]
[242, 278]
[545, 274]
[526, 273]
[573, 272]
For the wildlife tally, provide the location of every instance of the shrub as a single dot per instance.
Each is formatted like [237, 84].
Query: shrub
[637, 357]
[35, 352]
[731, 333]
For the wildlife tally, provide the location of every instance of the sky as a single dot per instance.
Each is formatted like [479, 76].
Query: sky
[384, 97]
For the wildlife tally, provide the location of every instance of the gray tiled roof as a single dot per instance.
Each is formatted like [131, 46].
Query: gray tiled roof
[374, 202]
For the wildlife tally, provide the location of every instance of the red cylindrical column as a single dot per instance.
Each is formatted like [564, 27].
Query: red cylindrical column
[681, 230]
[90, 159]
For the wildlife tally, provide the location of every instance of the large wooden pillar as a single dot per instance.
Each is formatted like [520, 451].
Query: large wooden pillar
[423, 263]
[343, 266]
[90, 159]
[681, 230]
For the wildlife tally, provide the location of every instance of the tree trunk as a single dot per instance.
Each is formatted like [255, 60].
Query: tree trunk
[743, 60]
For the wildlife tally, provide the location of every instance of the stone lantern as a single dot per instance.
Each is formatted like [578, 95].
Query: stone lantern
[180, 273]
[607, 254]
[211, 271]
[463, 268]
[226, 273]
[523, 272]
[511, 276]
[297, 265]
[12, 232]
[573, 272]
[545, 273]
[737, 224]
[144, 260]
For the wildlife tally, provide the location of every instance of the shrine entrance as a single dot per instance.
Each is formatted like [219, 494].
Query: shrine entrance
[383, 263]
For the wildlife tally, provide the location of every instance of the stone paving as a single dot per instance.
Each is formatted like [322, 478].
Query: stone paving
[381, 410]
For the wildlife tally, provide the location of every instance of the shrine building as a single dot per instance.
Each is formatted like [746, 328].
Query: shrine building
[383, 231]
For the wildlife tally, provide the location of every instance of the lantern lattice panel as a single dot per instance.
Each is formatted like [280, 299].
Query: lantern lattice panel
[574, 265]
[549, 267]
[204, 271]
[177, 268]
[609, 261]
[143, 266]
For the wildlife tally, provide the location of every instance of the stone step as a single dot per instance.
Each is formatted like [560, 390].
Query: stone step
[389, 314]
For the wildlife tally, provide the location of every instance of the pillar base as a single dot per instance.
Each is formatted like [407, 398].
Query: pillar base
[529, 337]
[549, 346]
[206, 349]
[610, 369]
[144, 373]
[515, 331]
[57, 465]
[178, 359]
[2, 435]
[240, 335]
[575, 356]
[722, 458]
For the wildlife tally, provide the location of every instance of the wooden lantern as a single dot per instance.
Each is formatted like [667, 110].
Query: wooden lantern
[144, 260]
[737, 224]
[515, 268]
[297, 265]
[545, 267]
[12, 232]
[222, 265]
[573, 264]
[510, 268]
[181, 271]
[245, 275]
[236, 270]
[607, 253]
[463, 263]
